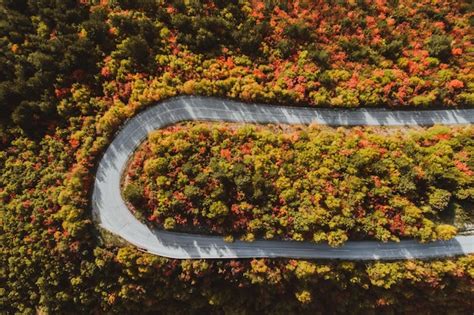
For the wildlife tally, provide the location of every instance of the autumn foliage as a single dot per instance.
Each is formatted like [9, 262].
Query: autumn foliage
[307, 183]
[71, 72]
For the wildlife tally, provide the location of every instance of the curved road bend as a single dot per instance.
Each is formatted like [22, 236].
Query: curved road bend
[110, 211]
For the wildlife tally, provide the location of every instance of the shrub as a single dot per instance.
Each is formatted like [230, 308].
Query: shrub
[298, 31]
[320, 97]
[423, 100]
[319, 56]
[217, 209]
[285, 47]
[169, 223]
[156, 166]
[439, 46]
[439, 199]
[445, 232]
[393, 49]
[345, 98]
[133, 194]
[357, 51]
[304, 296]
[466, 99]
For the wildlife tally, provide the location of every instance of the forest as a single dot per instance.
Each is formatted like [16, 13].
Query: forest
[71, 72]
[308, 183]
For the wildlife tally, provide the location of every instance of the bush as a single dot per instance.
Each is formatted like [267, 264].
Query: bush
[135, 48]
[285, 47]
[393, 49]
[423, 100]
[319, 56]
[439, 46]
[156, 166]
[169, 224]
[439, 199]
[298, 31]
[445, 232]
[466, 99]
[133, 193]
[356, 51]
[217, 209]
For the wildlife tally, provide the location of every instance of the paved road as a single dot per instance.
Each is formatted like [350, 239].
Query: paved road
[110, 211]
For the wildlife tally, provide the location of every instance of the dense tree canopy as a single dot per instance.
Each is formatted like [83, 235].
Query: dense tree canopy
[313, 183]
[324, 53]
[72, 71]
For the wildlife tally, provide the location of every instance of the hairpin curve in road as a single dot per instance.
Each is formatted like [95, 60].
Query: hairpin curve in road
[112, 214]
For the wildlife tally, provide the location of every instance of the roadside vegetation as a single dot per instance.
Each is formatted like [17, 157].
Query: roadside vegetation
[71, 72]
[308, 183]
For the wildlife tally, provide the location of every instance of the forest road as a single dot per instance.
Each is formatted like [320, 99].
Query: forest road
[112, 214]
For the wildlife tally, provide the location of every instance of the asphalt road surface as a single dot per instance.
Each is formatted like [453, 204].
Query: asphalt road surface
[111, 213]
